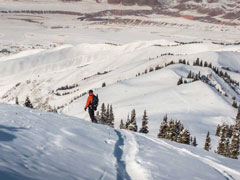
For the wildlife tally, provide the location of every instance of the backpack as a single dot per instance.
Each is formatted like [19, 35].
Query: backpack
[95, 102]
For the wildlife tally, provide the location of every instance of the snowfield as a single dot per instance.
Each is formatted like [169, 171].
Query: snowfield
[41, 145]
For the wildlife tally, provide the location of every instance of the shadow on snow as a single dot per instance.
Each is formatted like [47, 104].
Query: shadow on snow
[5, 136]
[120, 166]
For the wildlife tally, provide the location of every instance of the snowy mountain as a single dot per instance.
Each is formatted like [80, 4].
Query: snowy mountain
[212, 11]
[165, 60]
[40, 145]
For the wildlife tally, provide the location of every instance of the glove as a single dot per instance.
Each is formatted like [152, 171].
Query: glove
[85, 109]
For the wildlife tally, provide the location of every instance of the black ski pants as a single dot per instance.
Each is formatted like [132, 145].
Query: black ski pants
[91, 114]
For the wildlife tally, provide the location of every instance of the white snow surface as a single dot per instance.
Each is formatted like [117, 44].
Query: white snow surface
[41, 145]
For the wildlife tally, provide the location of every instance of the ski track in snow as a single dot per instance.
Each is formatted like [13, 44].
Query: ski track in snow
[223, 170]
[134, 169]
[118, 152]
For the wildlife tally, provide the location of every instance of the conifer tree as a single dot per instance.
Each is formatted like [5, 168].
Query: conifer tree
[144, 128]
[221, 143]
[238, 114]
[194, 142]
[197, 62]
[205, 64]
[28, 103]
[111, 117]
[234, 104]
[163, 128]
[128, 122]
[180, 81]
[234, 146]
[170, 130]
[207, 145]
[16, 101]
[133, 124]
[103, 115]
[218, 130]
[189, 74]
[107, 114]
[184, 137]
[178, 128]
[226, 147]
[210, 65]
[122, 126]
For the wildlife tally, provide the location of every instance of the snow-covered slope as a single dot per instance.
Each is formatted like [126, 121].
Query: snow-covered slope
[198, 105]
[40, 145]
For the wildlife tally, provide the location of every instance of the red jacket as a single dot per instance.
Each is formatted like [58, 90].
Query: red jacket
[89, 101]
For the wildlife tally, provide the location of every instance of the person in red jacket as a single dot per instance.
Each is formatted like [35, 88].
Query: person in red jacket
[89, 106]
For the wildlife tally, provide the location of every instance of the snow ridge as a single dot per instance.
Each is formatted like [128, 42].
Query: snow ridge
[134, 168]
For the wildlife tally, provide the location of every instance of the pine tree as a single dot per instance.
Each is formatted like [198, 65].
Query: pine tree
[234, 146]
[194, 142]
[221, 142]
[180, 81]
[103, 115]
[133, 124]
[238, 114]
[205, 64]
[163, 128]
[111, 117]
[28, 103]
[234, 104]
[122, 126]
[144, 128]
[189, 74]
[128, 122]
[207, 145]
[226, 147]
[186, 137]
[170, 130]
[197, 62]
[16, 101]
[107, 120]
[210, 65]
[218, 130]
[103, 84]
[178, 127]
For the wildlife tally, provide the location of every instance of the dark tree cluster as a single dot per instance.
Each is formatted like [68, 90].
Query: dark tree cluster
[224, 75]
[179, 43]
[194, 77]
[67, 87]
[28, 103]
[226, 44]
[102, 73]
[183, 61]
[151, 69]
[227, 133]
[192, 42]
[175, 131]
[106, 116]
[131, 123]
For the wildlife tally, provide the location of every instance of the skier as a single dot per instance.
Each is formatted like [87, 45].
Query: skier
[92, 103]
